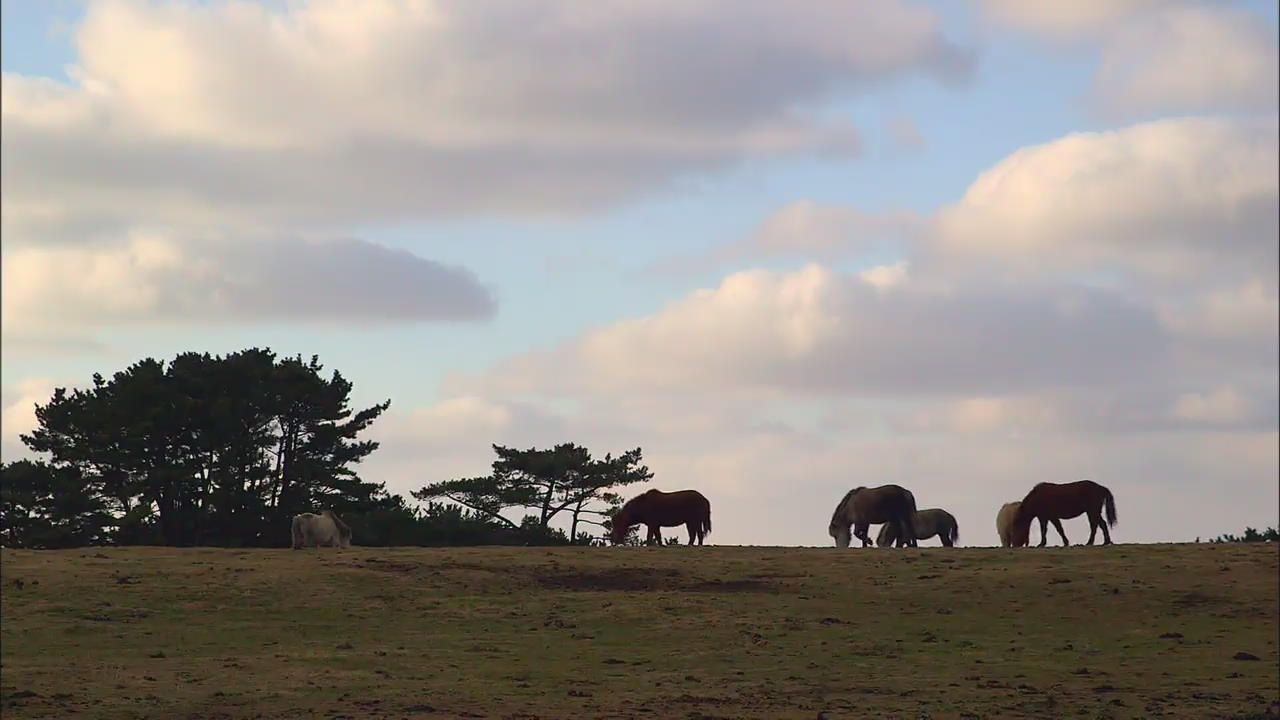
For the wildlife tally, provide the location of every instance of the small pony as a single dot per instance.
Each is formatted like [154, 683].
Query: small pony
[934, 521]
[323, 530]
[1004, 524]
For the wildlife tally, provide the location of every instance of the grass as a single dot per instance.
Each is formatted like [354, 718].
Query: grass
[1129, 631]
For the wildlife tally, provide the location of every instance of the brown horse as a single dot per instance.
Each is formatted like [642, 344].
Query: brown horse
[934, 521]
[862, 507]
[1052, 503]
[656, 510]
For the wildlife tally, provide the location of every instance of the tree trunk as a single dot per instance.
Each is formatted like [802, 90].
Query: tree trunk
[573, 528]
[546, 503]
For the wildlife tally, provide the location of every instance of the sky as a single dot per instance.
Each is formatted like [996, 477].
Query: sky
[786, 249]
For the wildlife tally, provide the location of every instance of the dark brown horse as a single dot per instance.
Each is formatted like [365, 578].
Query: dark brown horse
[656, 510]
[862, 507]
[1052, 503]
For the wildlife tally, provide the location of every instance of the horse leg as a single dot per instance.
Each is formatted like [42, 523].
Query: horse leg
[1044, 532]
[860, 532]
[648, 538]
[657, 531]
[1106, 534]
[1094, 519]
[1057, 524]
[692, 527]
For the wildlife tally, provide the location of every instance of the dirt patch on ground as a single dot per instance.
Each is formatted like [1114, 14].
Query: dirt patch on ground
[612, 579]
[645, 580]
[734, 586]
[388, 566]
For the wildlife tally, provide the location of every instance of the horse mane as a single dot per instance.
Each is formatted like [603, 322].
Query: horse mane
[651, 492]
[1037, 486]
[835, 516]
[626, 506]
[343, 528]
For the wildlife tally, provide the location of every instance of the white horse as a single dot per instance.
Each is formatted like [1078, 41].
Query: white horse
[323, 530]
[1004, 523]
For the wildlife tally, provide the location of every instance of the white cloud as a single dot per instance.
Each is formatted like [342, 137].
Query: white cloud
[1165, 199]
[1180, 215]
[1066, 19]
[1160, 55]
[337, 111]
[825, 230]
[810, 230]
[18, 414]
[984, 415]
[885, 277]
[151, 277]
[1223, 405]
[817, 331]
[1045, 328]
[779, 486]
[1190, 59]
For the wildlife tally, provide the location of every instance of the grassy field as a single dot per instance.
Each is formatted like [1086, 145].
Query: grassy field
[1129, 631]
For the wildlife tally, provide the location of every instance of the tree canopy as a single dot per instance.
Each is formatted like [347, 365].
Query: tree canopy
[201, 450]
[1250, 535]
[224, 450]
[563, 479]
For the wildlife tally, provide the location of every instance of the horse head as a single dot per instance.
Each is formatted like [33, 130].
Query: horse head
[620, 524]
[1020, 528]
[842, 534]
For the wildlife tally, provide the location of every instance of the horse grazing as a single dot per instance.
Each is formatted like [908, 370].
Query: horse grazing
[862, 507]
[1052, 503]
[934, 521]
[323, 530]
[656, 510]
[1004, 524]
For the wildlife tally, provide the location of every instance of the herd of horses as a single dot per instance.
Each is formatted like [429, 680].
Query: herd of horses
[893, 507]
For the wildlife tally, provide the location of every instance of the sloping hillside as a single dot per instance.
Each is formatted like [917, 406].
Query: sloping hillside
[1128, 631]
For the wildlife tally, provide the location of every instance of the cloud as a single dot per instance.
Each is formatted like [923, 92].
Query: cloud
[152, 278]
[1164, 200]
[1158, 201]
[1067, 20]
[329, 111]
[1151, 407]
[885, 277]
[809, 230]
[1100, 306]
[778, 486]
[18, 412]
[1180, 215]
[1190, 59]
[904, 133]
[817, 331]
[1160, 55]
[1223, 405]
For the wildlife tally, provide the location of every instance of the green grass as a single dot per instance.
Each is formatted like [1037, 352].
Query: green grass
[722, 632]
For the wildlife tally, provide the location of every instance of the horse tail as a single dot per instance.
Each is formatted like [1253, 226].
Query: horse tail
[706, 521]
[1109, 500]
[955, 531]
